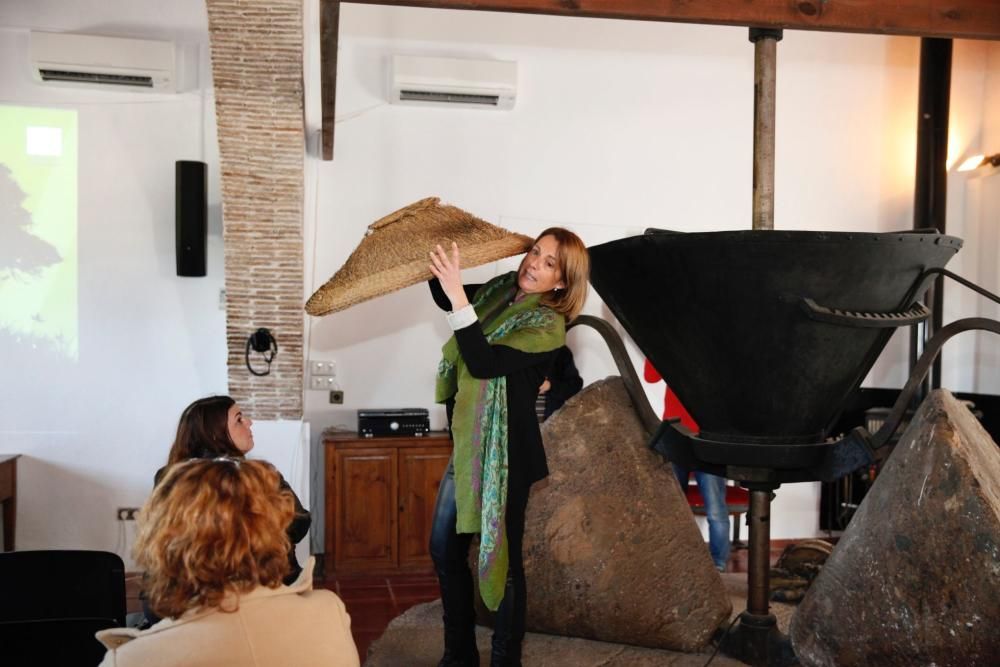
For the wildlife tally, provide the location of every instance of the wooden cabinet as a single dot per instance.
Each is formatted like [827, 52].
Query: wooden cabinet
[380, 495]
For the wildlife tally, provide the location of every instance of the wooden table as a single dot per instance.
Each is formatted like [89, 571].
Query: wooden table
[8, 497]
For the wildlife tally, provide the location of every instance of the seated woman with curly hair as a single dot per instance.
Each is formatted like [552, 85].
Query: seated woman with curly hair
[213, 542]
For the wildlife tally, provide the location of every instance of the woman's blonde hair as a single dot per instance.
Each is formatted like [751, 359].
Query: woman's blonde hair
[213, 527]
[574, 267]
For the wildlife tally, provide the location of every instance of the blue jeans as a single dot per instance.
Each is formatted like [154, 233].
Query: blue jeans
[450, 553]
[713, 491]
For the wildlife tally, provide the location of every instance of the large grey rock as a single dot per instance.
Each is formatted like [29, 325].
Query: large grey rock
[915, 579]
[612, 551]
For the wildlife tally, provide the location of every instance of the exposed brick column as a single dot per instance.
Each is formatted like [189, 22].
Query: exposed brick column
[257, 68]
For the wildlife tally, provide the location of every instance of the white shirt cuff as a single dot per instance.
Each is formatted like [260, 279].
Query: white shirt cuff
[462, 317]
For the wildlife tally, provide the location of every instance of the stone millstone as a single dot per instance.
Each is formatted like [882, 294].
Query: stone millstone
[612, 551]
[414, 639]
[915, 579]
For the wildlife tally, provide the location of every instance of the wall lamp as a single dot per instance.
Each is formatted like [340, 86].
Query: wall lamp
[977, 161]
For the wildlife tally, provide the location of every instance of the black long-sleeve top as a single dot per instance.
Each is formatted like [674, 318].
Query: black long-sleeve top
[525, 372]
[564, 381]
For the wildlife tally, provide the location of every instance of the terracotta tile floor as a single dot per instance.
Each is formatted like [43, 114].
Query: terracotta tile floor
[373, 601]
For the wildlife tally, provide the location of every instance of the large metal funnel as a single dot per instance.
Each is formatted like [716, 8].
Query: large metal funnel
[763, 334]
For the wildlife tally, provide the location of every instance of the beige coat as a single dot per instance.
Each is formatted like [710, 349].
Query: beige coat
[290, 625]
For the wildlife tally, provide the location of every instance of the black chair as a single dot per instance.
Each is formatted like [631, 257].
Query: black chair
[52, 603]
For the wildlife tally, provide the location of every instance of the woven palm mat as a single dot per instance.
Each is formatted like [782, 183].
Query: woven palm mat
[414, 639]
[395, 252]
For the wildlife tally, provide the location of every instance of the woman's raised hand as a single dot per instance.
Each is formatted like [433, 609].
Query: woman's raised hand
[448, 271]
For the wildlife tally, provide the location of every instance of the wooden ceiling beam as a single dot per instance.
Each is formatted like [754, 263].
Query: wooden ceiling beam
[960, 19]
[329, 29]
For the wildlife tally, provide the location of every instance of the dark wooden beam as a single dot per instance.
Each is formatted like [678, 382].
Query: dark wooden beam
[329, 28]
[959, 19]
[930, 196]
[964, 19]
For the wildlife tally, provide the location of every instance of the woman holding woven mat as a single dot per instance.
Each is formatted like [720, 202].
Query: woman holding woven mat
[507, 333]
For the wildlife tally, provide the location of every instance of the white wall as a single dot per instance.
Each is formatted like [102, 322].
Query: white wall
[93, 433]
[618, 126]
[971, 361]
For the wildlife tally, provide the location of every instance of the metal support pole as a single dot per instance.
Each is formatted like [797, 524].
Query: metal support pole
[756, 640]
[750, 640]
[760, 552]
[931, 188]
[757, 623]
[764, 78]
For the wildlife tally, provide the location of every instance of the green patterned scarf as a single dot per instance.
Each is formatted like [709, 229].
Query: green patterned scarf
[479, 420]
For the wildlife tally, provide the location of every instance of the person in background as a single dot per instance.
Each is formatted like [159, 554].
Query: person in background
[562, 382]
[216, 426]
[506, 335]
[213, 542]
[712, 487]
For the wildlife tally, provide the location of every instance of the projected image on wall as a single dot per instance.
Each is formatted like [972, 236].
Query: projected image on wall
[38, 233]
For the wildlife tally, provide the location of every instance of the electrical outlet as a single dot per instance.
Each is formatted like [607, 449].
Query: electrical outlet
[337, 397]
[322, 368]
[126, 513]
[322, 382]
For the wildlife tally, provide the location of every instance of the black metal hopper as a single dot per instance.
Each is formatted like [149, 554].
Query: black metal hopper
[764, 334]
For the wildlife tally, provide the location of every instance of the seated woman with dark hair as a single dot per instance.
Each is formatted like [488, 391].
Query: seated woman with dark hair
[216, 426]
[213, 543]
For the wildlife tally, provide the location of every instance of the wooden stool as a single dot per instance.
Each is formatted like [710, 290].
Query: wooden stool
[737, 503]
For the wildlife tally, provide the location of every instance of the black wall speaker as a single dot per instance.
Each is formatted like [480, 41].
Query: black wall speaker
[191, 210]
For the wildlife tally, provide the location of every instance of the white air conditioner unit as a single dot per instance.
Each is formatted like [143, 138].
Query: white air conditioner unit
[111, 62]
[480, 84]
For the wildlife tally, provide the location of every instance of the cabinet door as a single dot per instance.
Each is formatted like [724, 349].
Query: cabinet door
[420, 473]
[366, 522]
